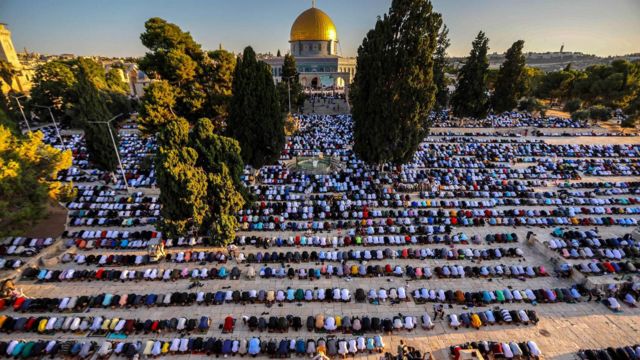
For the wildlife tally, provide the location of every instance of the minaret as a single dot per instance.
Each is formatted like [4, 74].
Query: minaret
[7, 52]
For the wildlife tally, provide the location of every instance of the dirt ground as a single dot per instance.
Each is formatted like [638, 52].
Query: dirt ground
[52, 225]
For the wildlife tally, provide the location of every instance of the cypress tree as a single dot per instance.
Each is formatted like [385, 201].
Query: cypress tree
[199, 177]
[255, 115]
[92, 107]
[217, 150]
[290, 83]
[394, 90]
[470, 97]
[184, 190]
[511, 82]
[439, 67]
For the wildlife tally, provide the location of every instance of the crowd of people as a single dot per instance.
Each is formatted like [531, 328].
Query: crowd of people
[446, 229]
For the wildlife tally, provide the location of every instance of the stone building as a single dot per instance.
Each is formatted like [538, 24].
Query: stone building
[23, 77]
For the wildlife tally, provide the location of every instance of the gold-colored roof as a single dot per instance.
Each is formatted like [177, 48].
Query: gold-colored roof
[313, 25]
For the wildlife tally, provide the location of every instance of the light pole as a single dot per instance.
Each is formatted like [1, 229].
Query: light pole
[22, 110]
[115, 147]
[289, 89]
[55, 124]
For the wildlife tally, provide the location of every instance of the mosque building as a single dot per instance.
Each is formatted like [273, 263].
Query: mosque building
[315, 45]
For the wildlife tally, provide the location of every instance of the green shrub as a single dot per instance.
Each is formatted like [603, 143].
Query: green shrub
[572, 105]
[629, 122]
[530, 104]
[600, 112]
[580, 115]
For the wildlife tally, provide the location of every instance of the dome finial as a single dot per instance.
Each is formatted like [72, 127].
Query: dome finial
[313, 3]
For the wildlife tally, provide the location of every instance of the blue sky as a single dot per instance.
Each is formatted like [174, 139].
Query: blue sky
[112, 27]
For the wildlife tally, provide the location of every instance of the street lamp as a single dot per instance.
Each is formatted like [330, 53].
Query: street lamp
[22, 110]
[55, 124]
[115, 147]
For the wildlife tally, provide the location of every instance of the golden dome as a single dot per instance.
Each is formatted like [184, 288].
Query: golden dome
[313, 25]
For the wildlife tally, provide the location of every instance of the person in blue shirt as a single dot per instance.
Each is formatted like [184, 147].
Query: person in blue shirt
[254, 347]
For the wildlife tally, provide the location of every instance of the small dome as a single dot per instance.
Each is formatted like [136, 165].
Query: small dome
[313, 25]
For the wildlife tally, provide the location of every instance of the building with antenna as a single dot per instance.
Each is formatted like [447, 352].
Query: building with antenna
[315, 45]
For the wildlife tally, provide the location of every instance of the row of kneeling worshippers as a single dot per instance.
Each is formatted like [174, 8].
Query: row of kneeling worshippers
[105, 300]
[630, 352]
[204, 273]
[299, 256]
[267, 272]
[527, 349]
[108, 300]
[608, 267]
[585, 252]
[333, 324]
[140, 259]
[548, 295]
[429, 225]
[366, 324]
[99, 324]
[381, 254]
[490, 317]
[192, 345]
[447, 271]
[23, 246]
[360, 240]
[276, 213]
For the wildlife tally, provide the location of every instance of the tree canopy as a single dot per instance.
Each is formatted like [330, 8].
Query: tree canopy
[157, 107]
[6, 72]
[290, 82]
[200, 82]
[394, 90]
[224, 64]
[512, 81]
[199, 171]
[92, 107]
[439, 68]
[199, 178]
[28, 169]
[613, 85]
[255, 117]
[55, 84]
[470, 98]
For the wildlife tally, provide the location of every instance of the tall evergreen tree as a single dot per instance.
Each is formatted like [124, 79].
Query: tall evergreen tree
[511, 82]
[290, 85]
[216, 151]
[255, 116]
[470, 97]
[199, 177]
[439, 68]
[183, 191]
[198, 169]
[92, 107]
[394, 91]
